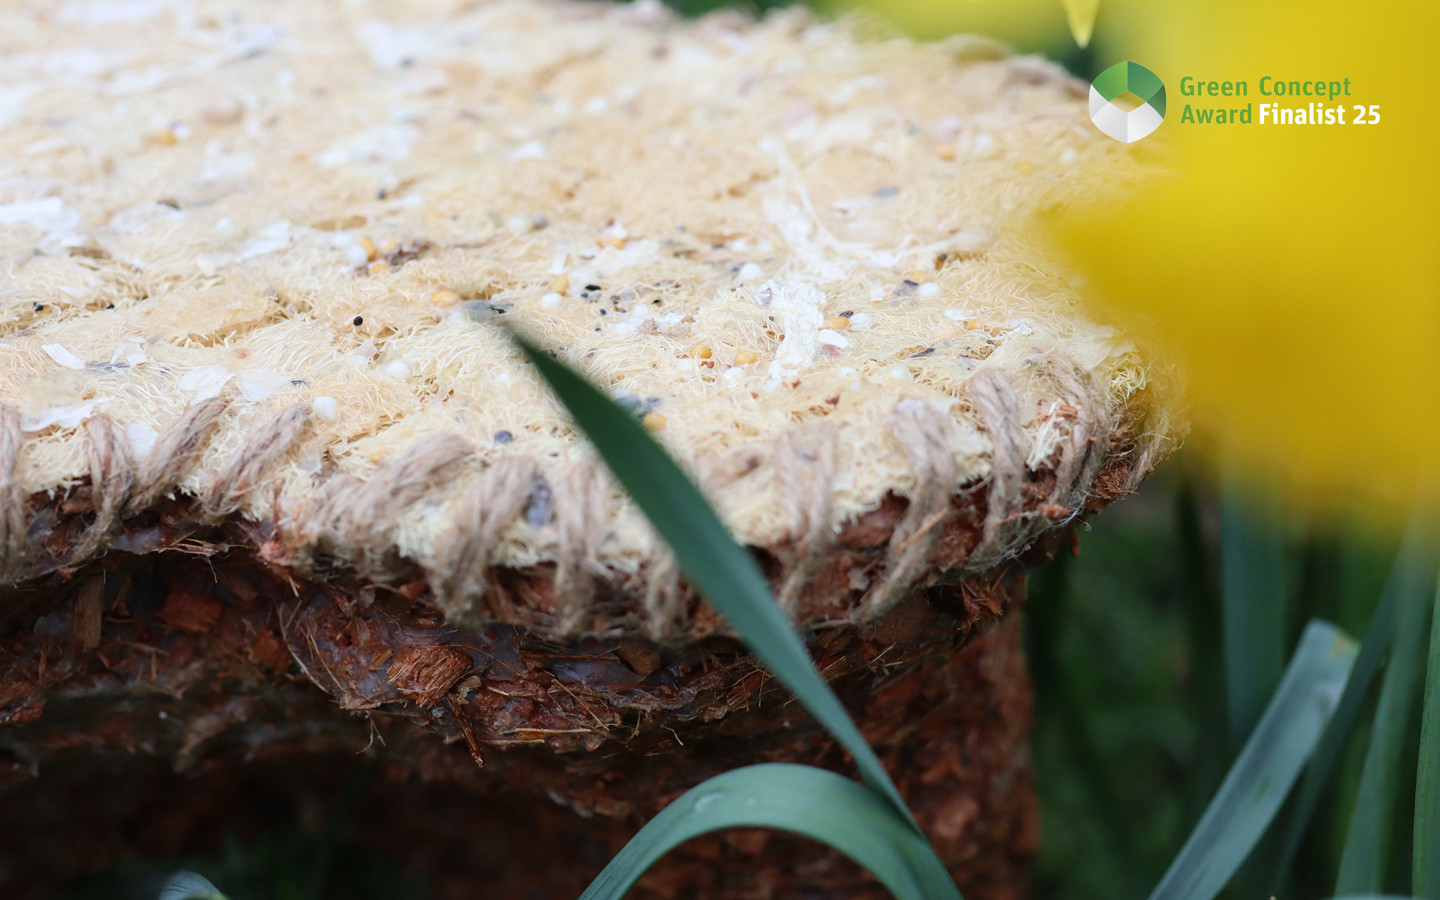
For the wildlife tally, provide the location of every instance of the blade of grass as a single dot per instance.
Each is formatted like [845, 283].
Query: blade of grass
[1253, 590]
[189, 886]
[1413, 552]
[1367, 842]
[720, 569]
[1266, 769]
[1425, 872]
[801, 799]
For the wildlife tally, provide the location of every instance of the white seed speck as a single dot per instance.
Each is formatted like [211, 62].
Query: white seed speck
[928, 289]
[205, 381]
[861, 320]
[62, 356]
[355, 255]
[397, 370]
[65, 416]
[734, 374]
[1069, 156]
[528, 150]
[831, 337]
[550, 300]
[597, 106]
[751, 272]
[326, 408]
[141, 437]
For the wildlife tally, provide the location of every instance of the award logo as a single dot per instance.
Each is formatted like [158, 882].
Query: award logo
[1127, 101]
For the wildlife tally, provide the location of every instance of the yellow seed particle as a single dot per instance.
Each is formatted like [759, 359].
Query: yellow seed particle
[369, 247]
[165, 137]
[379, 268]
[561, 284]
[444, 299]
[945, 152]
[389, 247]
[700, 351]
[745, 357]
[616, 242]
[1025, 167]
[837, 323]
[653, 421]
[972, 324]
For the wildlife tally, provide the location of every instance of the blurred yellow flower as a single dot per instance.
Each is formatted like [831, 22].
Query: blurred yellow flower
[1294, 270]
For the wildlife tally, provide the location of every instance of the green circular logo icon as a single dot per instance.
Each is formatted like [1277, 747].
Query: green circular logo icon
[1127, 101]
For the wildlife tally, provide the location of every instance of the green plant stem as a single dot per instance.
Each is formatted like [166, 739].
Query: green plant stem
[1367, 841]
[1425, 871]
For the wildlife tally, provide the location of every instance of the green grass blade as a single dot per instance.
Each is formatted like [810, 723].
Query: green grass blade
[1425, 873]
[1253, 591]
[1367, 841]
[189, 886]
[801, 799]
[1328, 752]
[1267, 767]
[720, 569]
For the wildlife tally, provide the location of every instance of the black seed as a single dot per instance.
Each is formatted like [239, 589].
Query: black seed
[109, 306]
[592, 287]
[847, 314]
[359, 320]
[503, 437]
[604, 311]
[39, 307]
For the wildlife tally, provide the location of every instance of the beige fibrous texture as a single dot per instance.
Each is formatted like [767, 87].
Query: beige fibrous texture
[260, 254]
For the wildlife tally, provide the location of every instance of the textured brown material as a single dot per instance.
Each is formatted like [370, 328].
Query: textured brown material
[937, 684]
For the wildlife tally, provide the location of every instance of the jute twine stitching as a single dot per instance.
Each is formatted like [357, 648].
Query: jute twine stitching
[353, 518]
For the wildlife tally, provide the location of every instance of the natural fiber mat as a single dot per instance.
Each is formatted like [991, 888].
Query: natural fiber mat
[256, 258]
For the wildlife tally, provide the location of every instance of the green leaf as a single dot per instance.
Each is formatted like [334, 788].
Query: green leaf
[1367, 842]
[189, 886]
[1252, 565]
[1266, 769]
[719, 568]
[1425, 873]
[1414, 552]
[1081, 16]
[801, 799]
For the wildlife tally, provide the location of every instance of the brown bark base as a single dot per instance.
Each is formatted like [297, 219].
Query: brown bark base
[198, 700]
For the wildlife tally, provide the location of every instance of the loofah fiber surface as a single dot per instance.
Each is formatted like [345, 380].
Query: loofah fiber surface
[255, 257]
